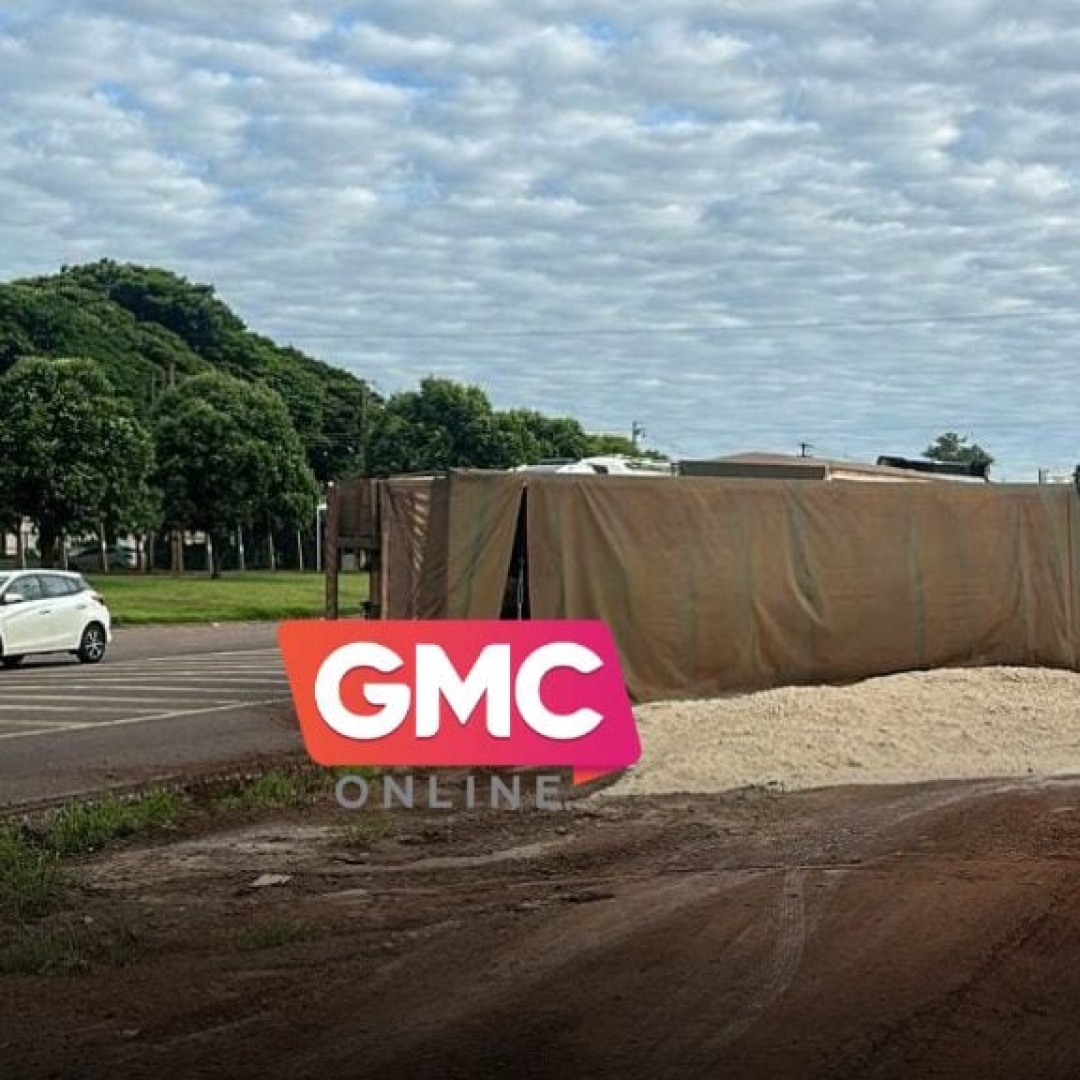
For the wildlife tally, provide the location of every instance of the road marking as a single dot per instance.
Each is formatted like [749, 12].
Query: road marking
[184, 657]
[113, 671]
[142, 719]
[138, 684]
[182, 682]
[24, 707]
[29, 702]
[42, 723]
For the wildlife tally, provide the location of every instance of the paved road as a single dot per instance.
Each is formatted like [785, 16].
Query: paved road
[166, 700]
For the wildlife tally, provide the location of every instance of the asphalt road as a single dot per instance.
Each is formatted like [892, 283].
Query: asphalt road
[165, 701]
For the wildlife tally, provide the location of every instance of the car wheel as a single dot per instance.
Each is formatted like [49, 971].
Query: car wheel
[92, 645]
[11, 661]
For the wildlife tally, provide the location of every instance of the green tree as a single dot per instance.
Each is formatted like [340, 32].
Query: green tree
[351, 410]
[538, 437]
[150, 328]
[228, 457]
[446, 425]
[443, 425]
[72, 456]
[953, 447]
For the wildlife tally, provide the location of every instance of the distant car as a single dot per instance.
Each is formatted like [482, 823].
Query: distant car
[120, 556]
[51, 611]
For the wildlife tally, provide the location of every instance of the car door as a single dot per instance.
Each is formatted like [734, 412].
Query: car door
[65, 611]
[25, 624]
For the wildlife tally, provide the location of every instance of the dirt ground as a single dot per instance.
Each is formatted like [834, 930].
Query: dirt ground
[919, 931]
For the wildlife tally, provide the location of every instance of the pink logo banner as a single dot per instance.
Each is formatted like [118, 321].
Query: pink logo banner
[461, 693]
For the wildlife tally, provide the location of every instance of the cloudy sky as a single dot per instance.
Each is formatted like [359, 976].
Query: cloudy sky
[743, 224]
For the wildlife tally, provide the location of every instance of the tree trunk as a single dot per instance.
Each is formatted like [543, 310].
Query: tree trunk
[241, 558]
[300, 550]
[20, 543]
[211, 558]
[271, 555]
[47, 537]
[176, 538]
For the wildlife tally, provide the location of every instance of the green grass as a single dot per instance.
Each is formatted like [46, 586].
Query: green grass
[236, 597]
[283, 787]
[41, 935]
[67, 947]
[276, 789]
[80, 827]
[363, 832]
[51, 950]
[269, 935]
[29, 877]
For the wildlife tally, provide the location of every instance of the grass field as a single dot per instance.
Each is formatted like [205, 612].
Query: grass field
[166, 598]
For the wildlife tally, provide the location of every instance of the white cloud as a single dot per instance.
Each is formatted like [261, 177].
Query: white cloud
[592, 206]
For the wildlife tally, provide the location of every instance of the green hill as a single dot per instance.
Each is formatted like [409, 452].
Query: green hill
[148, 327]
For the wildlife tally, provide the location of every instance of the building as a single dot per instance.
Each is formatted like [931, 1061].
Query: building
[765, 466]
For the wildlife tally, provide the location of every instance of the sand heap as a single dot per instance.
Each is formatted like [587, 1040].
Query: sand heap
[946, 724]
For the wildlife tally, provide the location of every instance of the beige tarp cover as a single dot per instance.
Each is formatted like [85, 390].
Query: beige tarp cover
[413, 547]
[713, 585]
[447, 543]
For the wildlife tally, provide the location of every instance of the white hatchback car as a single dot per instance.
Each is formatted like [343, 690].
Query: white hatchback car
[51, 611]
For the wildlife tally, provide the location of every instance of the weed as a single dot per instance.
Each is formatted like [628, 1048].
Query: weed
[269, 935]
[49, 950]
[361, 833]
[273, 789]
[283, 787]
[80, 827]
[29, 877]
[66, 948]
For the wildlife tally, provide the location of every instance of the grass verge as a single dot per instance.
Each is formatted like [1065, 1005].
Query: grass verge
[30, 879]
[82, 827]
[137, 599]
[40, 931]
[66, 947]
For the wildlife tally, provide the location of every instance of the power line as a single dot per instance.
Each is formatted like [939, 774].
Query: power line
[686, 328]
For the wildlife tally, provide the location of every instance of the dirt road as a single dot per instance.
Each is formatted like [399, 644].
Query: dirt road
[927, 931]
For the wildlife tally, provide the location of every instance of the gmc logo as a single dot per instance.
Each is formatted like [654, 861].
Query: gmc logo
[460, 693]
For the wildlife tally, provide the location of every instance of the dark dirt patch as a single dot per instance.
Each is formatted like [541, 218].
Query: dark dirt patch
[887, 932]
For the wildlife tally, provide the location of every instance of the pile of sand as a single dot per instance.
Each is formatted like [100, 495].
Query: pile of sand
[948, 724]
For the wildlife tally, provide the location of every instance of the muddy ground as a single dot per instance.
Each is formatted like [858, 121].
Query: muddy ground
[920, 931]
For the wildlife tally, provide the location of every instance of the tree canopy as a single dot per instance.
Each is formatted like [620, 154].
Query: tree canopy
[446, 425]
[959, 448]
[149, 328]
[73, 457]
[228, 457]
[245, 430]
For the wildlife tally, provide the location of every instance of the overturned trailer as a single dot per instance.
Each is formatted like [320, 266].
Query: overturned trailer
[713, 585]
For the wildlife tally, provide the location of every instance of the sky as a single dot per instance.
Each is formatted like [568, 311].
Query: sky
[741, 224]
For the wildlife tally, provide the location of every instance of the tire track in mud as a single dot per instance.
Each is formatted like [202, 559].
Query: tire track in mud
[807, 851]
[889, 1048]
[844, 834]
[787, 956]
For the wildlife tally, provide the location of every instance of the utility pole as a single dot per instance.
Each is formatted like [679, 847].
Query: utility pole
[363, 428]
[636, 431]
[803, 448]
[330, 549]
